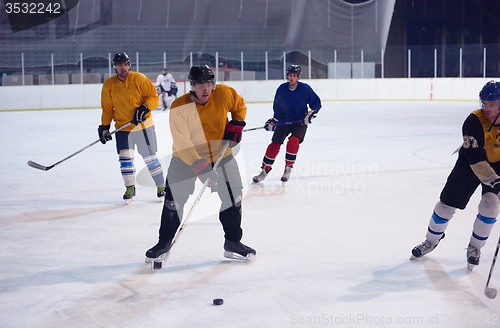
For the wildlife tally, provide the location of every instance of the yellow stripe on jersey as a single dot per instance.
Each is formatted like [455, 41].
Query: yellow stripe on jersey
[491, 138]
[484, 172]
[483, 169]
[197, 130]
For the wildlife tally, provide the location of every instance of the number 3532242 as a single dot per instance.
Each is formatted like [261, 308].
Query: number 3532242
[33, 8]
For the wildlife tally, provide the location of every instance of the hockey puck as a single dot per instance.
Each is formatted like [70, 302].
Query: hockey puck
[218, 301]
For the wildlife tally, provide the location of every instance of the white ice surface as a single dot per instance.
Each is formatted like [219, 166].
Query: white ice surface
[333, 245]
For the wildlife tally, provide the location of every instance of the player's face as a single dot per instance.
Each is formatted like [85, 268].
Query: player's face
[491, 110]
[122, 70]
[293, 79]
[202, 92]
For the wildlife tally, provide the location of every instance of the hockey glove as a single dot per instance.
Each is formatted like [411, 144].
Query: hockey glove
[271, 124]
[309, 116]
[234, 130]
[140, 114]
[103, 132]
[204, 171]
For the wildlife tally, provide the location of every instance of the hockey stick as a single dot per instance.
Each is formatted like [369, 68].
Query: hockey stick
[156, 265]
[253, 129]
[489, 291]
[46, 168]
[262, 127]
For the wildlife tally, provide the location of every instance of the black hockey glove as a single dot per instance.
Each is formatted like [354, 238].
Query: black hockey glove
[309, 116]
[140, 114]
[234, 131]
[271, 124]
[103, 132]
[204, 171]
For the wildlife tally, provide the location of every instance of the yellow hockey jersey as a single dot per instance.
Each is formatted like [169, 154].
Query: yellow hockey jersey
[197, 130]
[481, 145]
[119, 100]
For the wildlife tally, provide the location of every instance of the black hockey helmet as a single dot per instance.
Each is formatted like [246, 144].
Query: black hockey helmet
[121, 58]
[201, 74]
[294, 69]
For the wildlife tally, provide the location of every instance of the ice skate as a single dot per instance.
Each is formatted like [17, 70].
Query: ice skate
[160, 192]
[424, 248]
[473, 255]
[238, 251]
[158, 252]
[286, 174]
[258, 178]
[129, 195]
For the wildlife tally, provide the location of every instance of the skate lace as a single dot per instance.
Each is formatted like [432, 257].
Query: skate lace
[261, 176]
[473, 252]
[243, 247]
[160, 245]
[426, 245]
[237, 247]
[160, 189]
[129, 191]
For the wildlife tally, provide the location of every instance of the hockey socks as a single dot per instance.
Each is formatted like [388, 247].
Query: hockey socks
[487, 212]
[439, 222]
[127, 168]
[155, 169]
[292, 148]
[481, 231]
[272, 151]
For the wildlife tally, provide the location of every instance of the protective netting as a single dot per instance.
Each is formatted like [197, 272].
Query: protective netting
[328, 29]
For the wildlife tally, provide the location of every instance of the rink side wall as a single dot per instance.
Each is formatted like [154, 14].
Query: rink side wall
[39, 97]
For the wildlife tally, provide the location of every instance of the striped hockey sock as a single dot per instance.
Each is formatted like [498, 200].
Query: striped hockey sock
[127, 168]
[488, 210]
[481, 231]
[439, 221]
[155, 169]
[292, 148]
[272, 151]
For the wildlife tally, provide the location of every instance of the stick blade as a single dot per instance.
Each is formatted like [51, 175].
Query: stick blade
[490, 292]
[159, 262]
[38, 166]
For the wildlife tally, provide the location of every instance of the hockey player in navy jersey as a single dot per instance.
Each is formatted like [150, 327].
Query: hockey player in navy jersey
[478, 163]
[291, 117]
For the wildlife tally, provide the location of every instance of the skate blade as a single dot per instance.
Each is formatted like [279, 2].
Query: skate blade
[415, 258]
[236, 256]
[162, 199]
[470, 267]
[129, 201]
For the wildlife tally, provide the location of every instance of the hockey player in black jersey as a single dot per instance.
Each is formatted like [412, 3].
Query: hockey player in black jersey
[478, 163]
